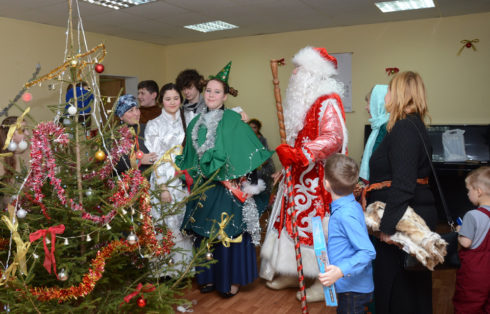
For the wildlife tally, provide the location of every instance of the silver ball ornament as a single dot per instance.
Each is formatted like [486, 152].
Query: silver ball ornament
[23, 145]
[12, 146]
[63, 275]
[89, 192]
[66, 121]
[209, 256]
[132, 239]
[21, 213]
[171, 261]
[72, 110]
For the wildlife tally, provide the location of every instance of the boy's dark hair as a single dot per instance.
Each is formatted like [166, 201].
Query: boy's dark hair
[190, 77]
[342, 173]
[256, 122]
[150, 85]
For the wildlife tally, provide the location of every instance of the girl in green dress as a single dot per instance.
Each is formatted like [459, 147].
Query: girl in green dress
[219, 143]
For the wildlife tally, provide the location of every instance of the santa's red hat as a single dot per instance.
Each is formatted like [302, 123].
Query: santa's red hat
[316, 60]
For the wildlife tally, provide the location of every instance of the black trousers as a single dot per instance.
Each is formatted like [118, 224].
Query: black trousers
[397, 290]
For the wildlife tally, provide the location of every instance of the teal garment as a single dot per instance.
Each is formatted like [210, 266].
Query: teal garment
[237, 150]
[236, 153]
[381, 135]
[379, 117]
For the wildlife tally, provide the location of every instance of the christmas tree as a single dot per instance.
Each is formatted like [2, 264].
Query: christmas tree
[77, 234]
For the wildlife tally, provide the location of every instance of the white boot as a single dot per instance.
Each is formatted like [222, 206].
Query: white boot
[314, 293]
[282, 282]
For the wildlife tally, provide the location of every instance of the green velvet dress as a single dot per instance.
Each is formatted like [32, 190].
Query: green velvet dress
[231, 151]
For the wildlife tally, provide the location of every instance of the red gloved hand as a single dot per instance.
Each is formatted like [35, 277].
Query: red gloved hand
[289, 155]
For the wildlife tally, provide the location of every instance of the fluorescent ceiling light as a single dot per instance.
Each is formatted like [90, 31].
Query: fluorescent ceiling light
[402, 5]
[118, 4]
[211, 26]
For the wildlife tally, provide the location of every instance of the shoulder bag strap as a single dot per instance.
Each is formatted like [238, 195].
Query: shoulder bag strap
[443, 200]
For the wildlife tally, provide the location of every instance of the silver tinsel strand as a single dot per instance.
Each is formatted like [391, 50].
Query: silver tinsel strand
[210, 120]
[251, 219]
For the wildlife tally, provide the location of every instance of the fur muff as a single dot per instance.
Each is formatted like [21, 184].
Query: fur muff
[413, 235]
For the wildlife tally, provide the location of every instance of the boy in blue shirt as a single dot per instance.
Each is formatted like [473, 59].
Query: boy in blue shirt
[349, 249]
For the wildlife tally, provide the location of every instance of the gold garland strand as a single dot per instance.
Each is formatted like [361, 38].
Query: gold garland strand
[74, 61]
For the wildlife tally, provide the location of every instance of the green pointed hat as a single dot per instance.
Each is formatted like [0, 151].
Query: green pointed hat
[223, 74]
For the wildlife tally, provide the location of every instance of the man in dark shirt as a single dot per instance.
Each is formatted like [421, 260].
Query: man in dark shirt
[147, 98]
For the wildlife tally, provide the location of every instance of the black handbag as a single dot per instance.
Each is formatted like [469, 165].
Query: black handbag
[451, 260]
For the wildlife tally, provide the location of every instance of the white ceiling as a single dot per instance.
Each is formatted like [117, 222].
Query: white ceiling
[162, 22]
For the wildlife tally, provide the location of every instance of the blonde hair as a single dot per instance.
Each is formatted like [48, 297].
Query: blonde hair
[407, 91]
[342, 173]
[480, 179]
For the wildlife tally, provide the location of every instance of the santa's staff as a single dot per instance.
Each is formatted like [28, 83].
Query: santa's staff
[289, 183]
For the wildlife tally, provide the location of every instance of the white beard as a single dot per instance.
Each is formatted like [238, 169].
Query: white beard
[303, 89]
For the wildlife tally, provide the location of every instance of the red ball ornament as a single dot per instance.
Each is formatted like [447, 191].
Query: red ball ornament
[139, 154]
[468, 45]
[99, 68]
[27, 97]
[141, 302]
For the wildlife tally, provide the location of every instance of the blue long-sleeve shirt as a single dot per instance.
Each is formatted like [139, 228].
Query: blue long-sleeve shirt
[349, 247]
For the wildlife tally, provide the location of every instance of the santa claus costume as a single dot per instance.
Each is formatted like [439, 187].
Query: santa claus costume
[315, 128]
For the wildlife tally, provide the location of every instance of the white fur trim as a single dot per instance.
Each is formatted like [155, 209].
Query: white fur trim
[278, 255]
[253, 189]
[311, 59]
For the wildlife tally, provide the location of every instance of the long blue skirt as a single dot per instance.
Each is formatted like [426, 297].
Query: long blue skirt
[237, 265]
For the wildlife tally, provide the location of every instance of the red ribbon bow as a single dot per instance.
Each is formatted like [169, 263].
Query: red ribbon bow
[139, 288]
[188, 179]
[390, 71]
[49, 259]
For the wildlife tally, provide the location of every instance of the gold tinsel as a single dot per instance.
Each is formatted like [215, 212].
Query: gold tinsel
[74, 61]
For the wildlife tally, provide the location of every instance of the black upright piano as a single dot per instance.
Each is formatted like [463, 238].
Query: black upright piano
[452, 174]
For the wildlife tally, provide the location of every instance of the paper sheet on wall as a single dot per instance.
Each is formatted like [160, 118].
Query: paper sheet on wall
[344, 69]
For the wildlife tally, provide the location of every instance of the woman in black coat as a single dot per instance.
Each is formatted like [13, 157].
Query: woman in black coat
[402, 161]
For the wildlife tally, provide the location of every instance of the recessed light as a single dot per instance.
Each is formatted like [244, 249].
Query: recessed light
[118, 4]
[211, 26]
[402, 5]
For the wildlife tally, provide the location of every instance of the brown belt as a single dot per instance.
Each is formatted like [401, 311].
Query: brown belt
[381, 185]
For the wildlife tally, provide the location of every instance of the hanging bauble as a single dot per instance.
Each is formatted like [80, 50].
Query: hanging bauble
[72, 110]
[100, 155]
[139, 154]
[141, 302]
[63, 275]
[89, 192]
[21, 213]
[12, 146]
[132, 238]
[66, 121]
[27, 97]
[209, 256]
[171, 261]
[99, 68]
[23, 145]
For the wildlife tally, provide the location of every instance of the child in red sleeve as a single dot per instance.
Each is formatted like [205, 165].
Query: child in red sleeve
[473, 277]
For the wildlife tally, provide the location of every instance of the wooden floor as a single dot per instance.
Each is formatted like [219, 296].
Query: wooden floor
[257, 298]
